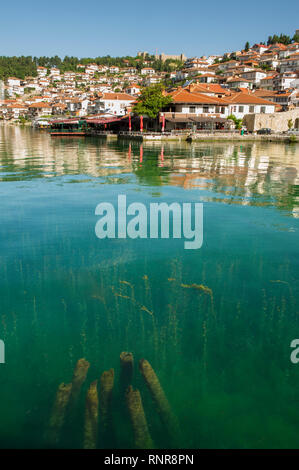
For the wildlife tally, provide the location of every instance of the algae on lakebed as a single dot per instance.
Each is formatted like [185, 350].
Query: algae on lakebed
[224, 364]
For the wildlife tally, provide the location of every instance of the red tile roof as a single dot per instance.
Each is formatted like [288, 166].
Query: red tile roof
[214, 88]
[184, 96]
[39, 104]
[117, 96]
[246, 98]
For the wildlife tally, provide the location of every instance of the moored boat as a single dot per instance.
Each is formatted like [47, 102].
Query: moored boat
[68, 128]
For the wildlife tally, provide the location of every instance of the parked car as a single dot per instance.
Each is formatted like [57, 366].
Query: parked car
[264, 130]
[293, 132]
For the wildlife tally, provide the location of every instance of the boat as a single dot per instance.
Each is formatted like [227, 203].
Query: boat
[68, 128]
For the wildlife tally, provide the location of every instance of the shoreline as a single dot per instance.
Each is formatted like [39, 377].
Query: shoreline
[189, 138]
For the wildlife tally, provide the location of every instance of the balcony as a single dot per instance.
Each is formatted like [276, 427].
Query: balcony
[192, 117]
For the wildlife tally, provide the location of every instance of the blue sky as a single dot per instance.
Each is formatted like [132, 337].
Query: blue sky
[118, 27]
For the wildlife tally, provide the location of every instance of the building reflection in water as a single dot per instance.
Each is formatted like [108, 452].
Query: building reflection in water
[250, 174]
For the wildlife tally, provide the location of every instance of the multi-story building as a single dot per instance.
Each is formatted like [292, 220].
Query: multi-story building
[114, 103]
[291, 64]
[41, 71]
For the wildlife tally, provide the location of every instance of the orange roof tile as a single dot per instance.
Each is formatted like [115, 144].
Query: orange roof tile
[185, 96]
[246, 98]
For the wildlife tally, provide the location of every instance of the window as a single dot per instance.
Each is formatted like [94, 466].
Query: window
[263, 109]
[222, 110]
[241, 109]
[206, 109]
[251, 109]
[192, 109]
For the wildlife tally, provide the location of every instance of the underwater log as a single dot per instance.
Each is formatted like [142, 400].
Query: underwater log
[126, 369]
[106, 387]
[163, 407]
[91, 417]
[58, 413]
[142, 436]
[79, 376]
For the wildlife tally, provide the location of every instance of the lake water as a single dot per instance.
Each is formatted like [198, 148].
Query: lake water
[222, 354]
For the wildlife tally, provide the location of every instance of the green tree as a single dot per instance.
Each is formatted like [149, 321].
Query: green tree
[282, 39]
[265, 67]
[151, 101]
[238, 122]
[290, 123]
[246, 46]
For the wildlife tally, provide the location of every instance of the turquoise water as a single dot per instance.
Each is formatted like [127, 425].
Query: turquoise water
[222, 355]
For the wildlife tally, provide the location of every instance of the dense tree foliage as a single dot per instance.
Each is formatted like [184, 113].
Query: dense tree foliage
[21, 67]
[17, 67]
[282, 39]
[151, 101]
[238, 122]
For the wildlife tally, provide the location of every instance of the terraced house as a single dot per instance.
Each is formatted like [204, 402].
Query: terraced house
[242, 103]
[191, 109]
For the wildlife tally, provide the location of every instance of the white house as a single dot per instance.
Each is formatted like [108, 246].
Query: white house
[44, 82]
[242, 103]
[295, 83]
[114, 103]
[196, 63]
[199, 104]
[192, 110]
[78, 107]
[13, 81]
[147, 71]
[207, 78]
[259, 48]
[151, 80]
[239, 82]
[16, 110]
[133, 90]
[182, 75]
[113, 69]
[285, 98]
[291, 64]
[41, 71]
[269, 59]
[267, 83]
[254, 75]
[69, 76]
[55, 73]
[39, 109]
[91, 68]
[284, 80]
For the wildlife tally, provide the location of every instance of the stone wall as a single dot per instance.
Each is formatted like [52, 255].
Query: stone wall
[278, 122]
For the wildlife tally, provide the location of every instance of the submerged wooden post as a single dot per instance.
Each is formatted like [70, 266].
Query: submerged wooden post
[163, 407]
[58, 413]
[91, 417]
[142, 436]
[126, 369]
[79, 376]
[106, 387]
